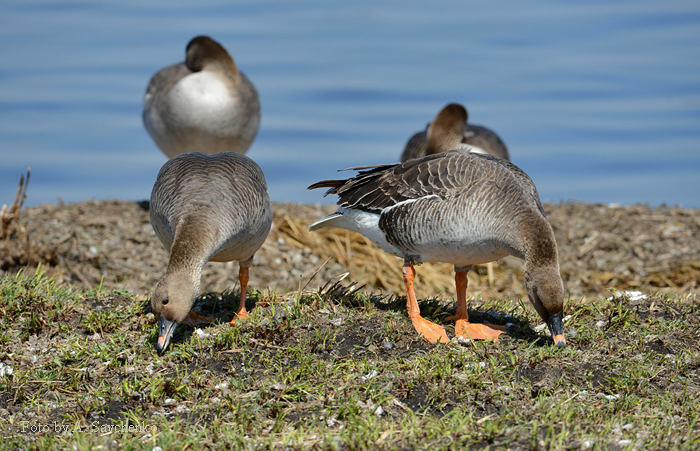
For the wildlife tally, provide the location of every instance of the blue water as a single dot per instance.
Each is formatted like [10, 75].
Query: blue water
[598, 102]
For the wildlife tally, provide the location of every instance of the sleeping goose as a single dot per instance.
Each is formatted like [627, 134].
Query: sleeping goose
[456, 207]
[480, 139]
[202, 105]
[205, 208]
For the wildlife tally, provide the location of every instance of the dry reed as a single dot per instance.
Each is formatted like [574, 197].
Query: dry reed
[9, 217]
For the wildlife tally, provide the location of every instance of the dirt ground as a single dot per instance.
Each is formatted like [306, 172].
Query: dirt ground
[601, 247]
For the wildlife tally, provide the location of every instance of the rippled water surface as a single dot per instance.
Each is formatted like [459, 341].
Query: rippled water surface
[598, 102]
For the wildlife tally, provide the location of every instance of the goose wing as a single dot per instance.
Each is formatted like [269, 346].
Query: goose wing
[486, 139]
[416, 147]
[443, 175]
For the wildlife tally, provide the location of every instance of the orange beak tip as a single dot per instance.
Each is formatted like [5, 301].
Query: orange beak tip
[560, 340]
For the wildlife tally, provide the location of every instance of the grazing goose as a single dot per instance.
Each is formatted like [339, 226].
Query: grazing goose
[456, 207]
[202, 105]
[205, 208]
[454, 119]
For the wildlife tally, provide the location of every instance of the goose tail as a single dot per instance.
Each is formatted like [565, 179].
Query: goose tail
[328, 221]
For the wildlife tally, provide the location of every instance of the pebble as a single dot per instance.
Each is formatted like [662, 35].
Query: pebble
[539, 328]
[201, 334]
[462, 340]
[632, 295]
[369, 375]
[5, 370]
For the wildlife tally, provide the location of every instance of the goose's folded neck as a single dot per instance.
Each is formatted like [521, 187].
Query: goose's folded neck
[447, 130]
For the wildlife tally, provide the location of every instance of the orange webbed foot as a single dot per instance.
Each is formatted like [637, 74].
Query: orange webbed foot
[431, 331]
[238, 315]
[475, 331]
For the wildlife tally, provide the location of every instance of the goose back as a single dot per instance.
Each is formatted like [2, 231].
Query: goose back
[216, 205]
[486, 139]
[455, 206]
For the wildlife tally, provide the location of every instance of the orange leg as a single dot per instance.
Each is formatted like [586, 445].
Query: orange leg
[243, 280]
[431, 331]
[463, 327]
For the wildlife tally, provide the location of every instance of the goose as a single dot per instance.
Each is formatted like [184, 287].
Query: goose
[202, 105]
[205, 208]
[454, 118]
[456, 207]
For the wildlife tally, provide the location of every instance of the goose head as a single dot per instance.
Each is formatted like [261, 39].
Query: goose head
[171, 303]
[546, 292]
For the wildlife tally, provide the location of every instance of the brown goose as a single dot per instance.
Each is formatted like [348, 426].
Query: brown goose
[452, 122]
[456, 207]
[205, 208]
[202, 105]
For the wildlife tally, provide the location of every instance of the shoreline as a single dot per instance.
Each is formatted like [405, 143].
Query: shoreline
[601, 248]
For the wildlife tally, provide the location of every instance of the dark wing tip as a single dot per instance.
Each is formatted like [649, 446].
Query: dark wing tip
[327, 184]
[370, 167]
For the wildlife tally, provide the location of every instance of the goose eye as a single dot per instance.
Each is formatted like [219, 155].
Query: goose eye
[165, 301]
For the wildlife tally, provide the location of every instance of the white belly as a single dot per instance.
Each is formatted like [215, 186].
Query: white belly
[461, 253]
[202, 101]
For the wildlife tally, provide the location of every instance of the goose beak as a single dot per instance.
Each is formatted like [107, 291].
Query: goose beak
[556, 328]
[165, 332]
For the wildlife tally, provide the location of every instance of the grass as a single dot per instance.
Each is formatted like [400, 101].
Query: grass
[337, 369]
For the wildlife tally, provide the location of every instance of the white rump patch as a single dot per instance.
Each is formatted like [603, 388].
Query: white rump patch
[365, 223]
